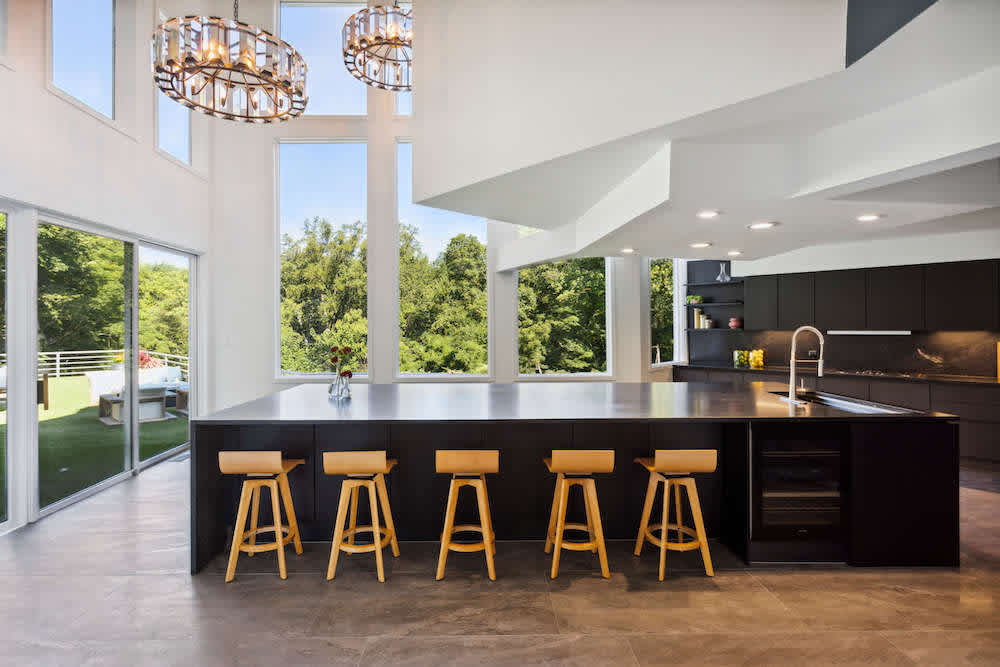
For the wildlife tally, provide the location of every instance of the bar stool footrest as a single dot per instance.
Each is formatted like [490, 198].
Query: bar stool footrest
[386, 537]
[673, 546]
[246, 547]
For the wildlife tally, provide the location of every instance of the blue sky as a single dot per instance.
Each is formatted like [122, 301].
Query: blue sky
[156, 256]
[83, 51]
[173, 127]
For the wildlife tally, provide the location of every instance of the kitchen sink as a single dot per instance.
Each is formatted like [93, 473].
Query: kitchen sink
[844, 403]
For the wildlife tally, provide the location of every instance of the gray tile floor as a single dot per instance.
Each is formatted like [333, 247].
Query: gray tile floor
[105, 582]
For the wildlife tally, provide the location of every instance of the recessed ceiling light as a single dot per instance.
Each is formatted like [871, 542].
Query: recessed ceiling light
[869, 217]
[765, 224]
[628, 251]
[701, 244]
[734, 253]
[708, 214]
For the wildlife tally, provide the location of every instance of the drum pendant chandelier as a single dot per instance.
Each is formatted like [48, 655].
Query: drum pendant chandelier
[378, 46]
[229, 69]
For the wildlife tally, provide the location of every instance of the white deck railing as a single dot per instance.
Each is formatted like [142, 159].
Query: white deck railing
[77, 362]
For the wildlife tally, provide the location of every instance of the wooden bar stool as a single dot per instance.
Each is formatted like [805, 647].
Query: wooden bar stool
[576, 468]
[468, 468]
[364, 470]
[263, 469]
[673, 467]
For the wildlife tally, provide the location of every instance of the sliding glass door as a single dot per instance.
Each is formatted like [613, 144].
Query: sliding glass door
[84, 348]
[163, 384]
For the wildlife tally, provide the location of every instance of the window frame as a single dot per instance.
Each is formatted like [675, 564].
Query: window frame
[114, 120]
[609, 326]
[404, 376]
[280, 377]
[680, 313]
[156, 134]
[278, 4]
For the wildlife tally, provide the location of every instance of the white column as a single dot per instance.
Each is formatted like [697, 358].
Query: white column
[502, 290]
[22, 374]
[629, 314]
[383, 281]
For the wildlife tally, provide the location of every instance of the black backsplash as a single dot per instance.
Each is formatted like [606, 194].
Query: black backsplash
[951, 352]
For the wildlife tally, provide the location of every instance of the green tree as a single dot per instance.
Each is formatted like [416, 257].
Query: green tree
[661, 307]
[562, 325]
[163, 308]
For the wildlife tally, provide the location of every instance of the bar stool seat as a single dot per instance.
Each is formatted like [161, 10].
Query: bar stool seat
[576, 468]
[468, 468]
[673, 467]
[364, 470]
[262, 470]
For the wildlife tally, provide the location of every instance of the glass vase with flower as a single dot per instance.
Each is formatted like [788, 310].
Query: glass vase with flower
[340, 388]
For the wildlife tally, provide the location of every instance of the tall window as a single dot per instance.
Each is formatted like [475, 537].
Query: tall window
[324, 263]
[404, 101]
[562, 317]
[442, 284]
[83, 51]
[661, 309]
[173, 127]
[316, 30]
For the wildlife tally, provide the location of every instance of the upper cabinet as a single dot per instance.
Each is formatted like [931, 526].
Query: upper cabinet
[760, 303]
[840, 300]
[795, 300]
[961, 296]
[896, 298]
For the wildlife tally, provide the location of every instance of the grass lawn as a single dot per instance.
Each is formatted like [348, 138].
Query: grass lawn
[76, 451]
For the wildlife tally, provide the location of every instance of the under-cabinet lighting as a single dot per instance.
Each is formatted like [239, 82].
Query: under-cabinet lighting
[708, 214]
[867, 332]
[764, 224]
[734, 253]
[869, 217]
[628, 251]
[701, 244]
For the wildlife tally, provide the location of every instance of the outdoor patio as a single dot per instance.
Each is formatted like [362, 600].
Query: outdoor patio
[77, 448]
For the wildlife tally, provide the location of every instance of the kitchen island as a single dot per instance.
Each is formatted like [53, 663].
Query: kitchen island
[875, 485]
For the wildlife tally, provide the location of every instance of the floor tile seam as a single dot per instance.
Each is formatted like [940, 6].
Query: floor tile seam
[776, 597]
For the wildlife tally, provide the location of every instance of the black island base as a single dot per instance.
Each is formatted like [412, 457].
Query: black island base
[859, 483]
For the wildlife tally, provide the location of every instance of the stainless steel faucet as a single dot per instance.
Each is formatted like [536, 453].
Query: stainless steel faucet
[819, 362]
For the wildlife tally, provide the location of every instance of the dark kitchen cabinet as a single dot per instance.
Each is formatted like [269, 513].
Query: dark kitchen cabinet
[913, 395]
[840, 300]
[853, 387]
[896, 496]
[795, 300]
[896, 298]
[760, 303]
[685, 374]
[961, 296]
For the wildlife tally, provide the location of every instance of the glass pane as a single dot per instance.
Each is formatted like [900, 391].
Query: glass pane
[562, 317]
[661, 309]
[324, 256]
[173, 131]
[404, 104]
[316, 31]
[83, 283]
[3, 366]
[442, 284]
[163, 382]
[83, 51]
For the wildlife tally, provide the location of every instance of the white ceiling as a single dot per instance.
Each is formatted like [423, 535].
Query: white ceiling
[909, 132]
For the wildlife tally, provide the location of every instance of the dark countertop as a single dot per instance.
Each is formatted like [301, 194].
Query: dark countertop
[808, 370]
[533, 401]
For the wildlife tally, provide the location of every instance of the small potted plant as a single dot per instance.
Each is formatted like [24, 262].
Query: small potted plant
[341, 386]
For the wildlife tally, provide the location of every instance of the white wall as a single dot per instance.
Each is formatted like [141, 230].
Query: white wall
[59, 156]
[537, 79]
